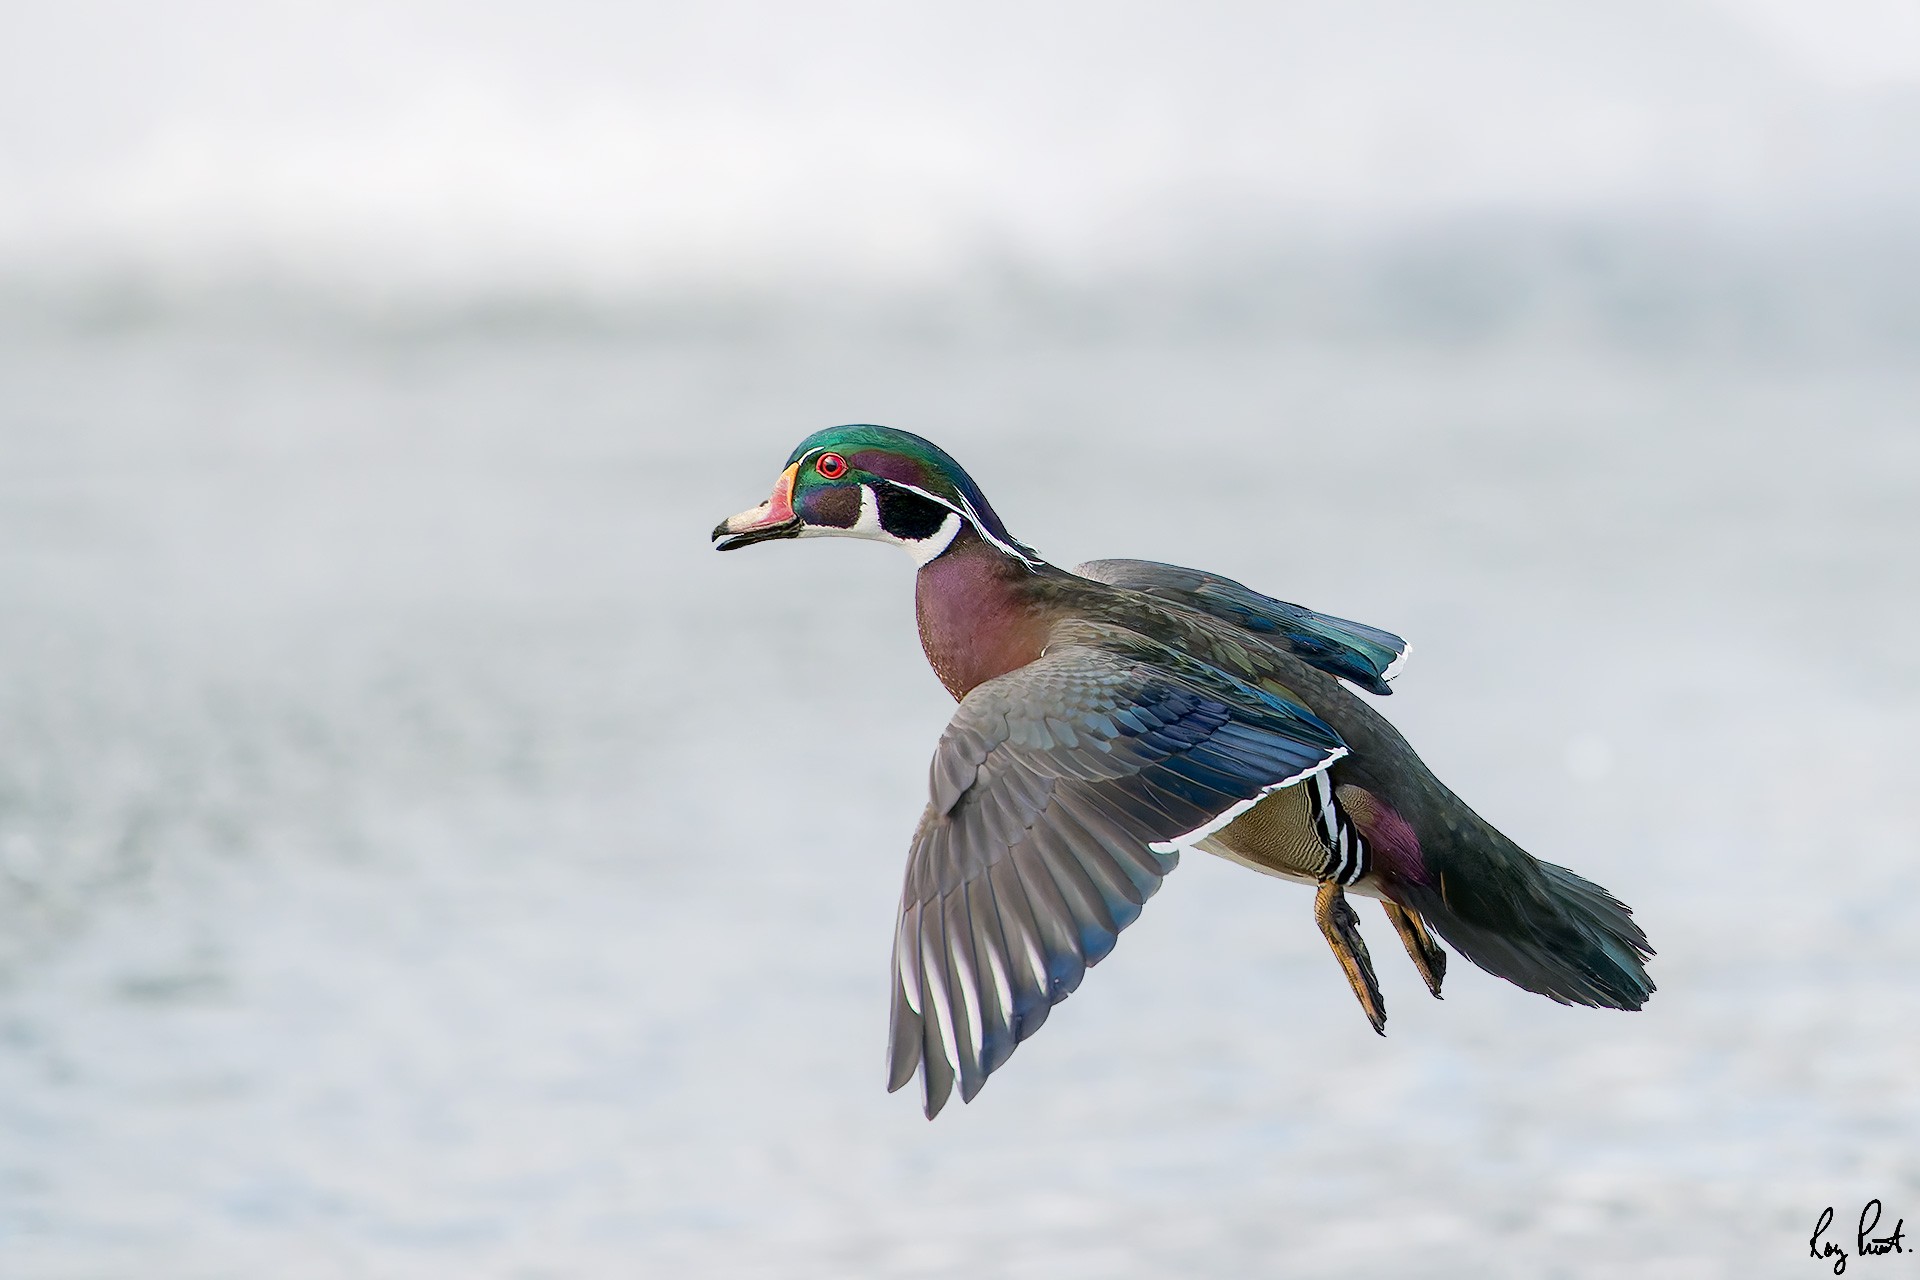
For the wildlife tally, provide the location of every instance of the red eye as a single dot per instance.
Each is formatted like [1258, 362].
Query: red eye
[831, 466]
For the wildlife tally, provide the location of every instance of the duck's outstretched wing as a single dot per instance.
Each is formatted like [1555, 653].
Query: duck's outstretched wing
[1061, 793]
[1367, 656]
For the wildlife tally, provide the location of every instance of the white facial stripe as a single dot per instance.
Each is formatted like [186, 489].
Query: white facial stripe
[868, 526]
[924, 550]
[942, 536]
[972, 517]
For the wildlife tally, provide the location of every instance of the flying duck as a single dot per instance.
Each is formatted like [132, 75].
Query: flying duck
[1112, 716]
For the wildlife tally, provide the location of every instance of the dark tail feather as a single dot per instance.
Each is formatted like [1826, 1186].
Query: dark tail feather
[1539, 926]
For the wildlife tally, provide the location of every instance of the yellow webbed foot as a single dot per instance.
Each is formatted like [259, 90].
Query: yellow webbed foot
[1426, 954]
[1341, 928]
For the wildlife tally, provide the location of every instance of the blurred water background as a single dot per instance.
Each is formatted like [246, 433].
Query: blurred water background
[421, 856]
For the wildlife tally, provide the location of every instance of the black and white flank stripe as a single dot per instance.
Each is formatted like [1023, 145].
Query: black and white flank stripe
[1352, 859]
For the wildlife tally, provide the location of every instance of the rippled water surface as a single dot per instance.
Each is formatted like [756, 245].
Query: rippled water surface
[421, 856]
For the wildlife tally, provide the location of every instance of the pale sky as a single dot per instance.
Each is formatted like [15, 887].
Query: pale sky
[630, 141]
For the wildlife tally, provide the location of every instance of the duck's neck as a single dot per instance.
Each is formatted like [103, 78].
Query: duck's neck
[979, 613]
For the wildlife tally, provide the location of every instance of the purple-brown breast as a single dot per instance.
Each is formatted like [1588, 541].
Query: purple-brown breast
[977, 618]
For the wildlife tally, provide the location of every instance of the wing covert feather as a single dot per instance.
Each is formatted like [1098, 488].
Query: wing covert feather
[1368, 656]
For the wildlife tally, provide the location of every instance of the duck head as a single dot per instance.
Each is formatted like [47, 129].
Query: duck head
[877, 483]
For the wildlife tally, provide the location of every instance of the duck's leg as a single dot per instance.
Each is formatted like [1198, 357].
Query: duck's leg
[1426, 954]
[1341, 927]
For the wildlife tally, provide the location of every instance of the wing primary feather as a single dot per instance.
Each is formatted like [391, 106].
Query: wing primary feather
[1026, 954]
[963, 977]
[1085, 845]
[1146, 867]
[904, 1037]
[937, 1058]
[1066, 962]
[1096, 927]
[1115, 861]
[996, 998]
[1052, 792]
[905, 1032]
[906, 955]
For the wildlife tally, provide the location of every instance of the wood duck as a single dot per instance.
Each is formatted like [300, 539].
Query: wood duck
[1111, 717]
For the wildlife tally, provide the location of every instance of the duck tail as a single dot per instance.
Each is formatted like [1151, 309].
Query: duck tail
[1539, 926]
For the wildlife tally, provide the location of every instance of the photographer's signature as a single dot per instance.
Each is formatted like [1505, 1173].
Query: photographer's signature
[1865, 1243]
